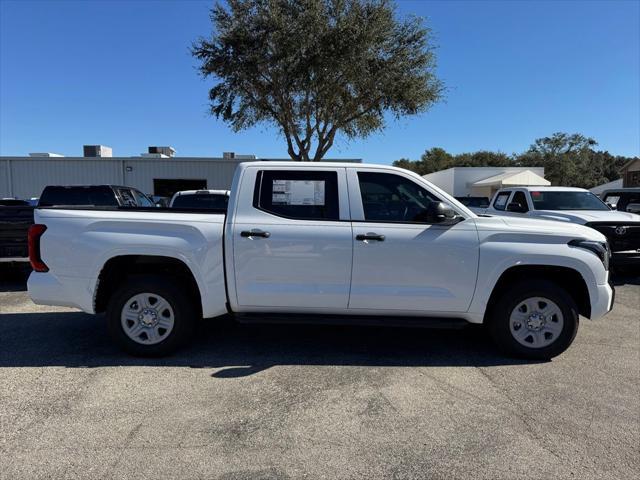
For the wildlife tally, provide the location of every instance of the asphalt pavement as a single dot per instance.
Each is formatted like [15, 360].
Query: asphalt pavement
[288, 402]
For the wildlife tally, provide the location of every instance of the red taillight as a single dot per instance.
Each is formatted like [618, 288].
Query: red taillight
[35, 232]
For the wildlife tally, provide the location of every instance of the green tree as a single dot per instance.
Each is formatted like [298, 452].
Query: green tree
[565, 158]
[316, 68]
[437, 158]
[568, 159]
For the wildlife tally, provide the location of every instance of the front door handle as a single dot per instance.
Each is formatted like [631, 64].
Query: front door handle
[370, 236]
[255, 233]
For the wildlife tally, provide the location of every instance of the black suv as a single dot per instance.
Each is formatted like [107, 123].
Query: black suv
[93, 195]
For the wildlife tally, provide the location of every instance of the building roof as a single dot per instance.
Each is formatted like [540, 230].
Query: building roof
[598, 189]
[624, 167]
[522, 178]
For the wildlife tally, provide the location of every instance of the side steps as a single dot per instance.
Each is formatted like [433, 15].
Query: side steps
[347, 320]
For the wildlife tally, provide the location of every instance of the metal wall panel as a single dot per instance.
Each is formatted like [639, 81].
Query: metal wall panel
[27, 176]
[30, 175]
[5, 184]
[140, 173]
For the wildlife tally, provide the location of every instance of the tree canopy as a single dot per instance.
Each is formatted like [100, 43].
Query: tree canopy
[568, 159]
[316, 68]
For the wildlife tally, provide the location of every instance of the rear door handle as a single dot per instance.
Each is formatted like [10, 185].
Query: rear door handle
[370, 236]
[255, 233]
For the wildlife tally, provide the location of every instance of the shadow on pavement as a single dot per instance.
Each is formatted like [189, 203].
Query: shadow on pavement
[77, 340]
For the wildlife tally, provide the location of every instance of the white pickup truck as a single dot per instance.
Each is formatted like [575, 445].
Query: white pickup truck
[575, 205]
[323, 242]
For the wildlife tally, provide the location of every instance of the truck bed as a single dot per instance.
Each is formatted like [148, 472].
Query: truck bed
[79, 241]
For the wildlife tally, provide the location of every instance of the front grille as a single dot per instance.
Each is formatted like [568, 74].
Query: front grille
[621, 236]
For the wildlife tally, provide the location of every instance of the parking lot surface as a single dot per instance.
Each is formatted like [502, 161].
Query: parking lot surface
[287, 402]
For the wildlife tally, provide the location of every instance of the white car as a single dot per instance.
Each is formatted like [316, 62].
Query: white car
[322, 242]
[200, 199]
[575, 205]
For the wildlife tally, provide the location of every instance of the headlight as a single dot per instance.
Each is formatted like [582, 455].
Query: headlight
[601, 249]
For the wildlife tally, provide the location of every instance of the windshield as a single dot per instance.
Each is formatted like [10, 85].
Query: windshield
[201, 201]
[567, 200]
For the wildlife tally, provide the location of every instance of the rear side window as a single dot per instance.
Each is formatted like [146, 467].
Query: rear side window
[127, 198]
[501, 200]
[201, 202]
[141, 199]
[99, 196]
[299, 195]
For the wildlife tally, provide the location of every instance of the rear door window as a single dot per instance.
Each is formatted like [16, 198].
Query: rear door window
[297, 194]
[500, 203]
[127, 198]
[141, 199]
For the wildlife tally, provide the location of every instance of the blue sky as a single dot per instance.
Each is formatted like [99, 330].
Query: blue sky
[119, 73]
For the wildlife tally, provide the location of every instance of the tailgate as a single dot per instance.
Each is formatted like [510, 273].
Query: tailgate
[14, 225]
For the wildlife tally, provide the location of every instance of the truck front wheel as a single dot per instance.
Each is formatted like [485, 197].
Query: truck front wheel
[150, 316]
[534, 319]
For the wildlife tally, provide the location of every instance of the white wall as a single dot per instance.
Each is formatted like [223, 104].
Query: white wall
[442, 179]
[457, 181]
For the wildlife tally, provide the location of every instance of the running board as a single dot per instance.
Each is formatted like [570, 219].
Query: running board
[348, 320]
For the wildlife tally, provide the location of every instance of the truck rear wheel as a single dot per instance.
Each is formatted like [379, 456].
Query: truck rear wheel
[534, 319]
[150, 316]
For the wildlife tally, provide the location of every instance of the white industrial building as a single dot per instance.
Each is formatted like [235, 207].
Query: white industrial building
[485, 181]
[158, 172]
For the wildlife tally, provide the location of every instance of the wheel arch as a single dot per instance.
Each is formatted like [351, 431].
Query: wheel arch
[118, 267]
[568, 278]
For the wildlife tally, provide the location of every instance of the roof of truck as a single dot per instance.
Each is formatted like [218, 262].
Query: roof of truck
[202, 192]
[548, 189]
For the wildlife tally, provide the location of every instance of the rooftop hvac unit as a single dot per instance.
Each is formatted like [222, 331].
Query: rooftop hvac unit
[167, 151]
[97, 151]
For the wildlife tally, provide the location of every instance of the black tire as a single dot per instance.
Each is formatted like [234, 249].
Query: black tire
[499, 315]
[182, 304]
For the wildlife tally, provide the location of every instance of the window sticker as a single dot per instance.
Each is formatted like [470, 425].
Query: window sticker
[298, 192]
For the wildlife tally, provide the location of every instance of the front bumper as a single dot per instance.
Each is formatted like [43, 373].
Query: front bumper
[602, 300]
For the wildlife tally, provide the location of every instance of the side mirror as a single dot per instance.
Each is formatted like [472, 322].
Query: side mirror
[439, 212]
[515, 207]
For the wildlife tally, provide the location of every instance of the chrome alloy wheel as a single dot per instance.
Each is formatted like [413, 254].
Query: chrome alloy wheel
[147, 318]
[536, 322]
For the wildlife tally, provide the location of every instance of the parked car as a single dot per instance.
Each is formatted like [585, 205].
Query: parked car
[16, 216]
[94, 196]
[623, 199]
[323, 242]
[475, 204]
[200, 199]
[574, 205]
